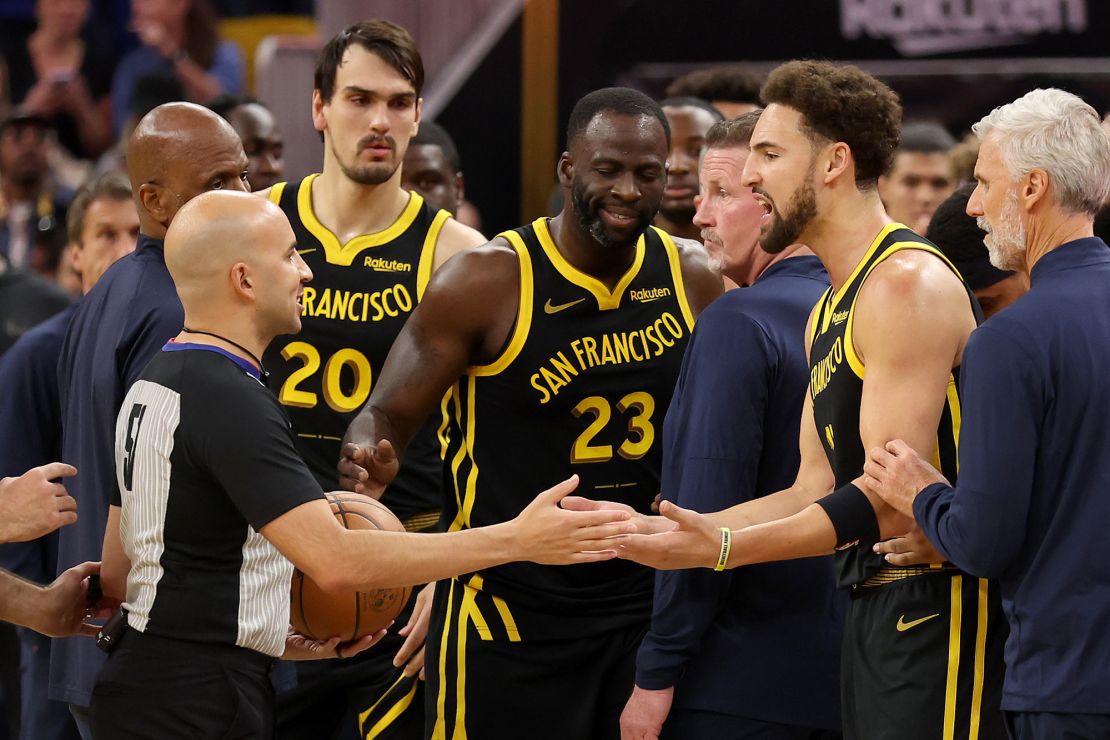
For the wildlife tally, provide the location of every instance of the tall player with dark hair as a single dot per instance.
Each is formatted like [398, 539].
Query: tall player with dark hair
[372, 247]
[922, 651]
[560, 342]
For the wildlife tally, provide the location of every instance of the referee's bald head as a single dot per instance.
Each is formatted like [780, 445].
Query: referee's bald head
[233, 259]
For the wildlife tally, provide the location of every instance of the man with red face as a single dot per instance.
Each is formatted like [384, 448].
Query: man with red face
[730, 437]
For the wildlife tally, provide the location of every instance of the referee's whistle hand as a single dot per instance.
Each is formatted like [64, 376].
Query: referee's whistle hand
[897, 474]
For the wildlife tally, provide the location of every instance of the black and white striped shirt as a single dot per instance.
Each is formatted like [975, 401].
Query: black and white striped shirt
[205, 458]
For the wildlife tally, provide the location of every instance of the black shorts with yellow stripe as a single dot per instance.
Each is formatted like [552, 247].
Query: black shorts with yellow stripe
[922, 658]
[494, 673]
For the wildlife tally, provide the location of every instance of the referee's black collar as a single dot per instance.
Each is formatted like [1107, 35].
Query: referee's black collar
[247, 366]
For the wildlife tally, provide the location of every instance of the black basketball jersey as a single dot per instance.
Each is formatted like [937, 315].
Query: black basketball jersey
[581, 387]
[836, 385]
[361, 294]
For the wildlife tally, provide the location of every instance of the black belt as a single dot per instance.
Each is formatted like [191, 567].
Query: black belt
[231, 656]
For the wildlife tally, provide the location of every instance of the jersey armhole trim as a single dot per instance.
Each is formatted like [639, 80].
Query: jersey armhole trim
[854, 360]
[676, 276]
[524, 311]
[276, 192]
[428, 253]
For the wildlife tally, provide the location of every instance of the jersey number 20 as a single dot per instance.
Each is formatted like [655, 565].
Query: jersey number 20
[292, 394]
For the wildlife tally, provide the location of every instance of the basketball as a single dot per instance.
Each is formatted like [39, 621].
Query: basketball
[351, 615]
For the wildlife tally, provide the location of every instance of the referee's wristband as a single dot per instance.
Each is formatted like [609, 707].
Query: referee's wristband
[852, 515]
[726, 547]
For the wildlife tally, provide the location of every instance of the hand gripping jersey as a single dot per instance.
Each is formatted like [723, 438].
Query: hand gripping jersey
[836, 386]
[581, 387]
[361, 294]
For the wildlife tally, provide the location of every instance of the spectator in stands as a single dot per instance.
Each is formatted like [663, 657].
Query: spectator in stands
[64, 76]
[180, 37]
[733, 89]
[102, 227]
[961, 240]
[261, 135]
[962, 159]
[30, 200]
[690, 120]
[921, 176]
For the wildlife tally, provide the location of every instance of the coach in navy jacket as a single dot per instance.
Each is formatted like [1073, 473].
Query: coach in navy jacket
[748, 651]
[177, 151]
[1033, 501]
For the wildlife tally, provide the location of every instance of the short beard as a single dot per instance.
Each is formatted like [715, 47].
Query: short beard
[590, 220]
[1005, 240]
[787, 226]
[374, 174]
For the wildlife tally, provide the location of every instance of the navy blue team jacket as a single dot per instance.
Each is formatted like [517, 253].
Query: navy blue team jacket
[762, 641]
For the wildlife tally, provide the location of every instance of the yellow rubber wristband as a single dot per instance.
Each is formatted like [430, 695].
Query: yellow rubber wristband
[726, 547]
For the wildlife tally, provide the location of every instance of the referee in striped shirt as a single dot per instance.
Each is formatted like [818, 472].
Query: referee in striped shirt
[213, 502]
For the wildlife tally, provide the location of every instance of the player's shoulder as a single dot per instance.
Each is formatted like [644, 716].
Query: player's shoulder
[455, 237]
[912, 274]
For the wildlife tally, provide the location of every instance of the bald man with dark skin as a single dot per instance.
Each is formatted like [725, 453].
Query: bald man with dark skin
[176, 152]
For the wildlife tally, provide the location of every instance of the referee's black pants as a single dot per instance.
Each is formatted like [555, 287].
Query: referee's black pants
[153, 687]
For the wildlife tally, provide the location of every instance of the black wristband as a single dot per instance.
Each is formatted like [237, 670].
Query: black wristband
[853, 516]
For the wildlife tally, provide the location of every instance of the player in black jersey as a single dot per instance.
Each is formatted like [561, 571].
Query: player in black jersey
[561, 343]
[372, 247]
[922, 652]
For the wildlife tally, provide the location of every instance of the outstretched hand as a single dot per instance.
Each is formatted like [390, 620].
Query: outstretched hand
[368, 469]
[694, 541]
[897, 473]
[552, 535]
[411, 653]
[644, 524]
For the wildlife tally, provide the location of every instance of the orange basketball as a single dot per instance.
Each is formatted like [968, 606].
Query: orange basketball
[351, 615]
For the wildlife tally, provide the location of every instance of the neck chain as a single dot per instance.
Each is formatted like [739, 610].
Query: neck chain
[257, 361]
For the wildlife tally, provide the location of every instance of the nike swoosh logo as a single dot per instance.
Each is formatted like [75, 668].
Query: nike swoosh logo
[548, 308]
[903, 625]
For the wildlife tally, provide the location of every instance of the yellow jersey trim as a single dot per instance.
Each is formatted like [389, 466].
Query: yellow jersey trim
[439, 730]
[478, 583]
[394, 712]
[428, 253]
[606, 300]
[456, 462]
[980, 659]
[854, 360]
[675, 261]
[275, 193]
[344, 254]
[466, 612]
[957, 421]
[883, 233]
[523, 315]
[951, 686]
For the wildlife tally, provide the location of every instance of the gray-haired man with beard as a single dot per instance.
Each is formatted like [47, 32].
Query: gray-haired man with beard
[1030, 507]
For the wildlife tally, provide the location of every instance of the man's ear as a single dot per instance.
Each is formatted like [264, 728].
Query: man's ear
[837, 161]
[565, 170]
[242, 282]
[1033, 188]
[155, 199]
[318, 121]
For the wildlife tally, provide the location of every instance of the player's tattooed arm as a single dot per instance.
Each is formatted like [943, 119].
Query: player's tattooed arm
[464, 318]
